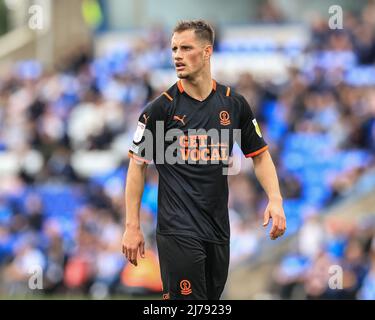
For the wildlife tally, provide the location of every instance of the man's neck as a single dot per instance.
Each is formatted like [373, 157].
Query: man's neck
[198, 88]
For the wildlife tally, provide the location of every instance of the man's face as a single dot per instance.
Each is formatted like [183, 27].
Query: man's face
[189, 53]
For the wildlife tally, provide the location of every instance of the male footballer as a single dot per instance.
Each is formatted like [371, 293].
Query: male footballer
[193, 224]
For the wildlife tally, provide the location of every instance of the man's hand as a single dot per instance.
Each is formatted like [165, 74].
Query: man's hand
[275, 212]
[133, 240]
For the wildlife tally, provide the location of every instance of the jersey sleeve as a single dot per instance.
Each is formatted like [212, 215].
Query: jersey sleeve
[143, 144]
[252, 142]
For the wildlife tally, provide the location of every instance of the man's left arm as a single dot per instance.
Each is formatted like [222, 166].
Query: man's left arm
[265, 172]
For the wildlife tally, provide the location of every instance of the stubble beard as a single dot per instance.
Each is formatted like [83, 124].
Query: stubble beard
[183, 76]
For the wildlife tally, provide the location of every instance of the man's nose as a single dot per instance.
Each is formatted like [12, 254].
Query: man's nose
[177, 55]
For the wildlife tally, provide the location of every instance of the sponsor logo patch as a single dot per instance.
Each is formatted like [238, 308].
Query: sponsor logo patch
[257, 128]
[139, 132]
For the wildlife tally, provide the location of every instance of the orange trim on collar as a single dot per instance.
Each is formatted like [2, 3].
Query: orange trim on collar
[213, 84]
[181, 88]
[179, 85]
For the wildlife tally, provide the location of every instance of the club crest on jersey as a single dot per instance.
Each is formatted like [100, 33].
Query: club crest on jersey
[224, 118]
[257, 128]
[185, 286]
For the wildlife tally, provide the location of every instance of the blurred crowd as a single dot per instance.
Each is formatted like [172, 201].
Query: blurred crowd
[334, 259]
[64, 136]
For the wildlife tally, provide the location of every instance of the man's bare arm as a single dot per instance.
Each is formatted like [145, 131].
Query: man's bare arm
[265, 172]
[133, 239]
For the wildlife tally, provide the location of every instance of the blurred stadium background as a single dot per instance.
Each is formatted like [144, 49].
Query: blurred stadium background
[74, 76]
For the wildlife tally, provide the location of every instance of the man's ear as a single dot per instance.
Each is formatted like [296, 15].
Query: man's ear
[208, 51]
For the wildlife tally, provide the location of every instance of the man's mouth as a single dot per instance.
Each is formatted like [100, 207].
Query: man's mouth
[179, 66]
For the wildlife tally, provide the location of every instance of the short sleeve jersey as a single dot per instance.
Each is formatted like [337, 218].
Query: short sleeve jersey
[191, 143]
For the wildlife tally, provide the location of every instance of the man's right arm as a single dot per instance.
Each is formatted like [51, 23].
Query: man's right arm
[140, 153]
[133, 239]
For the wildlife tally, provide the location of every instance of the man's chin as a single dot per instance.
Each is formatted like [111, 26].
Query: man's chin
[182, 75]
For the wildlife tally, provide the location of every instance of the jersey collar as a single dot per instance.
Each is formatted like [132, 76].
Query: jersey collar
[181, 88]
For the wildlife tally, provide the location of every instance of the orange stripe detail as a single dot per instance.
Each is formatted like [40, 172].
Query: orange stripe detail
[168, 96]
[135, 157]
[253, 154]
[213, 84]
[228, 92]
[179, 85]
